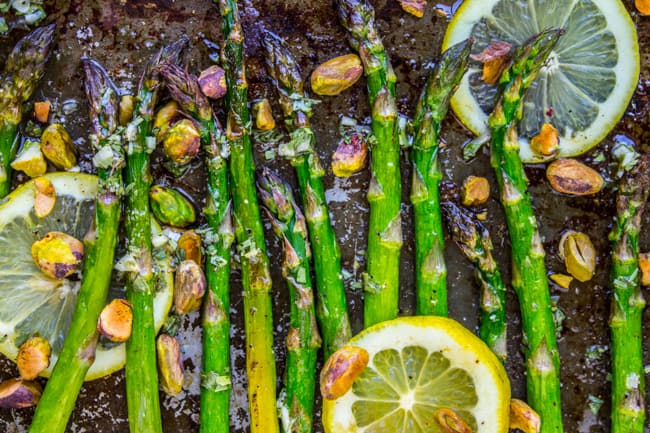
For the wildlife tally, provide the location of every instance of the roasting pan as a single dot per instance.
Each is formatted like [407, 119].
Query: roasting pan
[123, 34]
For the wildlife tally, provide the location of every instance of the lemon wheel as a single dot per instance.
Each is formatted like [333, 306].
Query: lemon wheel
[31, 303]
[584, 88]
[417, 366]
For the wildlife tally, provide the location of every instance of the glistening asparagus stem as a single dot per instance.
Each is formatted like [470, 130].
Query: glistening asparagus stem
[430, 269]
[297, 399]
[474, 241]
[381, 280]
[256, 277]
[628, 387]
[332, 311]
[141, 373]
[78, 352]
[529, 271]
[215, 377]
[24, 68]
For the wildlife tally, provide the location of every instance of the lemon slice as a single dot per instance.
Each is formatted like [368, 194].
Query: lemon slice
[417, 366]
[31, 303]
[584, 88]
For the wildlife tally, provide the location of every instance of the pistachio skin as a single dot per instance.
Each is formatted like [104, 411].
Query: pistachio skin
[570, 176]
[190, 245]
[450, 422]
[523, 417]
[351, 155]
[475, 191]
[116, 320]
[44, 197]
[171, 207]
[547, 142]
[170, 364]
[33, 357]
[340, 371]
[263, 113]
[18, 393]
[58, 148]
[213, 82]
[336, 75]
[189, 287]
[58, 254]
[579, 255]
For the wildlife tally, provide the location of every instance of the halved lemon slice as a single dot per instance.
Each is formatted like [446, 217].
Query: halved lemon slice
[31, 303]
[586, 84]
[418, 366]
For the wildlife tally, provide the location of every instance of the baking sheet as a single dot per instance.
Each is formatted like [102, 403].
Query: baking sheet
[122, 34]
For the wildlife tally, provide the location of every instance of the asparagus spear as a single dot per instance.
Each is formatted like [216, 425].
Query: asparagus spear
[215, 379]
[628, 388]
[332, 311]
[474, 241]
[78, 352]
[24, 69]
[256, 277]
[141, 374]
[529, 271]
[381, 281]
[430, 269]
[296, 406]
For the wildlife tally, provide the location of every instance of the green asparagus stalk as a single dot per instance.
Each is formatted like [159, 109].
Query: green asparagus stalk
[474, 242]
[215, 378]
[332, 311]
[430, 269]
[296, 406]
[249, 232]
[529, 271]
[141, 373]
[381, 281]
[24, 68]
[628, 387]
[78, 352]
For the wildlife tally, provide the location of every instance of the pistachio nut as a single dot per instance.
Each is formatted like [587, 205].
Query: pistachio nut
[42, 111]
[18, 393]
[116, 320]
[414, 7]
[182, 142]
[570, 176]
[170, 364]
[30, 159]
[450, 422]
[263, 114]
[475, 191]
[340, 371]
[44, 197]
[58, 254]
[171, 207]
[58, 148]
[33, 357]
[166, 116]
[523, 417]
[189, 287]
[127, 105]
[644, 266]
[643, 6]
[351, 155]
[190, 245]
[579, 255]
[562, 280]
[336, 75]
[213, 82]
[547, 142]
